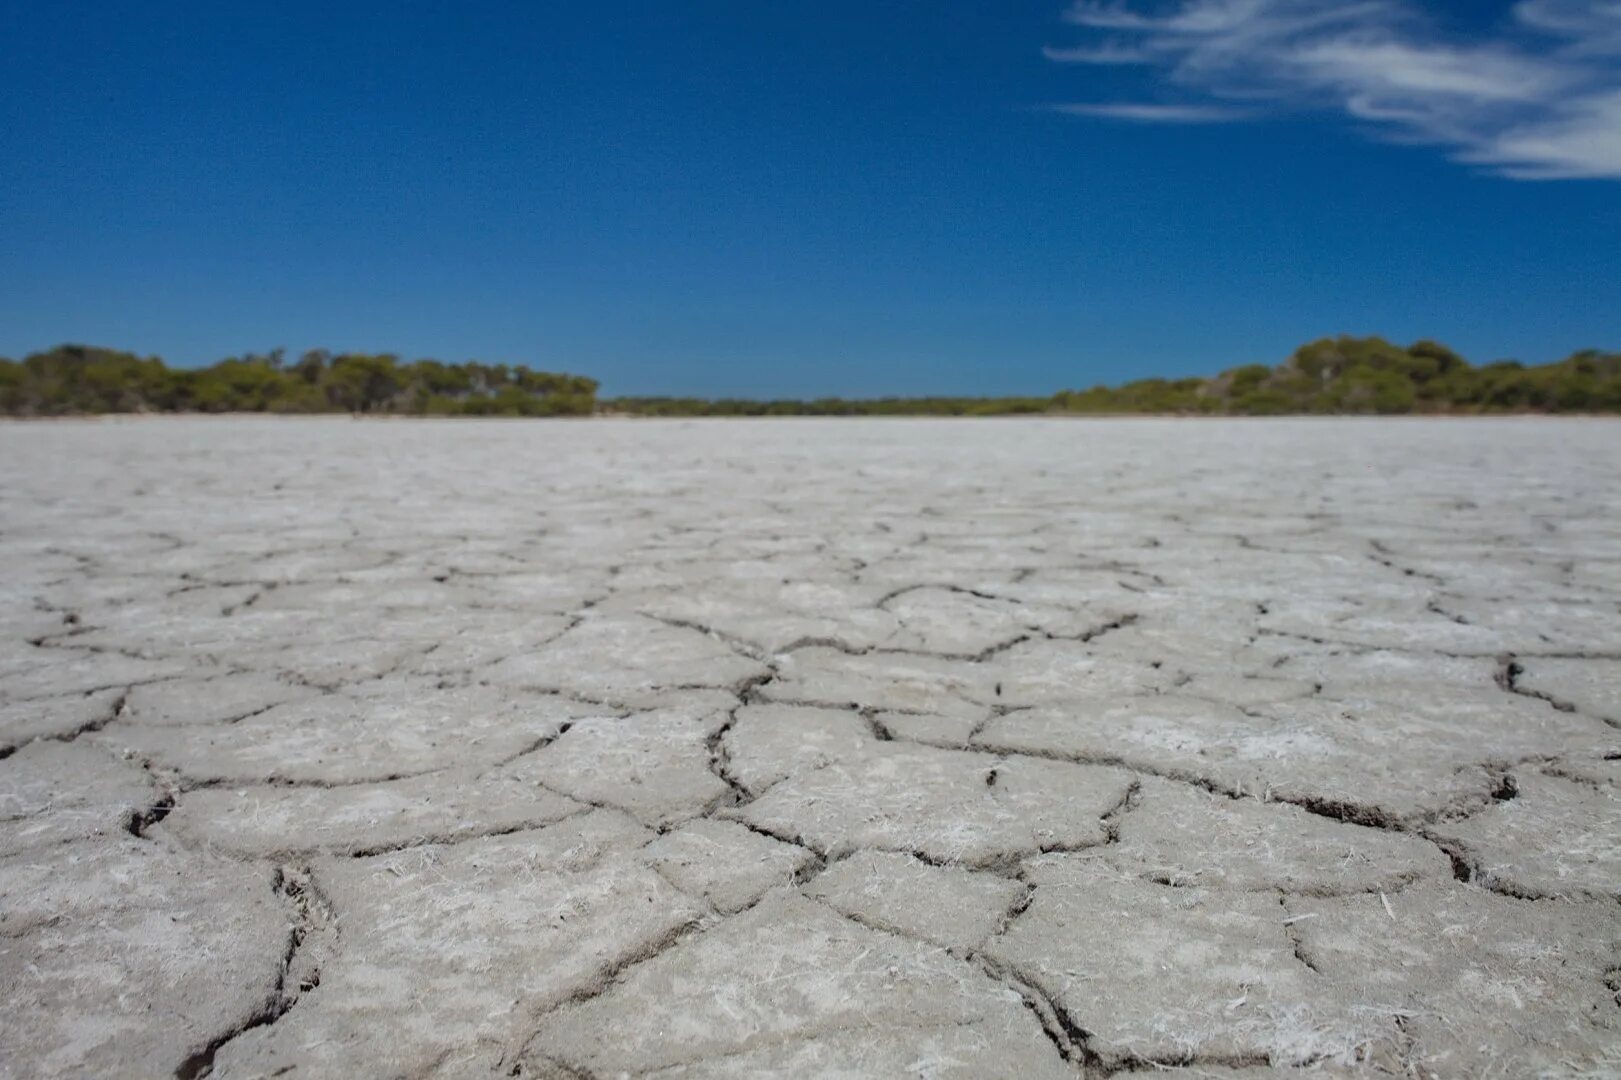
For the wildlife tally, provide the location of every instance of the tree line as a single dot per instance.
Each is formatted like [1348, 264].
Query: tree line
[1343, 375]
[1371, 375]
[76, 379]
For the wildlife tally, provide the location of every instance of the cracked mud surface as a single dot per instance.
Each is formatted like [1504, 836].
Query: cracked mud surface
[810, 748]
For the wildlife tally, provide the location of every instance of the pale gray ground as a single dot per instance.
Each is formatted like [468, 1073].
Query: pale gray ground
[942, 749]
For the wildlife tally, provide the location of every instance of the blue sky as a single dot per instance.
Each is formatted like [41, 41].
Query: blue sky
[876, 196]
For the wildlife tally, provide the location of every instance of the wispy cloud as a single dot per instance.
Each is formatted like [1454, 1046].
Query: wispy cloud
[1154, 114]
[1110, 53]
[1538, 98]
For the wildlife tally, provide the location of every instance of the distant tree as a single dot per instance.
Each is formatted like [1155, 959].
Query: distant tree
[311, 366]
[362, 383]
[1443, 359]
[13, 379]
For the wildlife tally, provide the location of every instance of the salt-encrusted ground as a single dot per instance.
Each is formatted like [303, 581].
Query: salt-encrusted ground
[947, 749]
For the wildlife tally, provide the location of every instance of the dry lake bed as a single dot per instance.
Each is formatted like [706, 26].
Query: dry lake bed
[810, 748]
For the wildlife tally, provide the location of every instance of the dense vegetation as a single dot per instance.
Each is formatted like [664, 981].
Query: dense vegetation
[1370, 375]
[1334, 375]
[77, 379]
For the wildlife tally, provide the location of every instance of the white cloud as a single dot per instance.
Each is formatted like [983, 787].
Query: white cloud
[1212, 16]
[1108, 53]
[1395, 69]
[1594, 26]
[1539, 98]
[1155, 114]
[1582, 141]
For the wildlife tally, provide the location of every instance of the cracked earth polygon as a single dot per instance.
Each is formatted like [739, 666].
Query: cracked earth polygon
[810, 748]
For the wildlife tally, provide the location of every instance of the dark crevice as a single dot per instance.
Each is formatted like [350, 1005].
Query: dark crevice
[1072, 1041]
[1462, 867]
[943, 586]
[1098, 631]
[114, 711]
[1295, 941]
[611, 974]
[880, 733]
[144, 819]
[1182, 776]
[1015, 909]
[748, 650]
[720, 764]
[1356, 648]
[451, 839]
[1372, 817]
[311, 914]
[1507, 788]
[987, 653]
[828, 856]
[1434, 608]
[813, 868]
[1507, 677]
[1128, 802]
